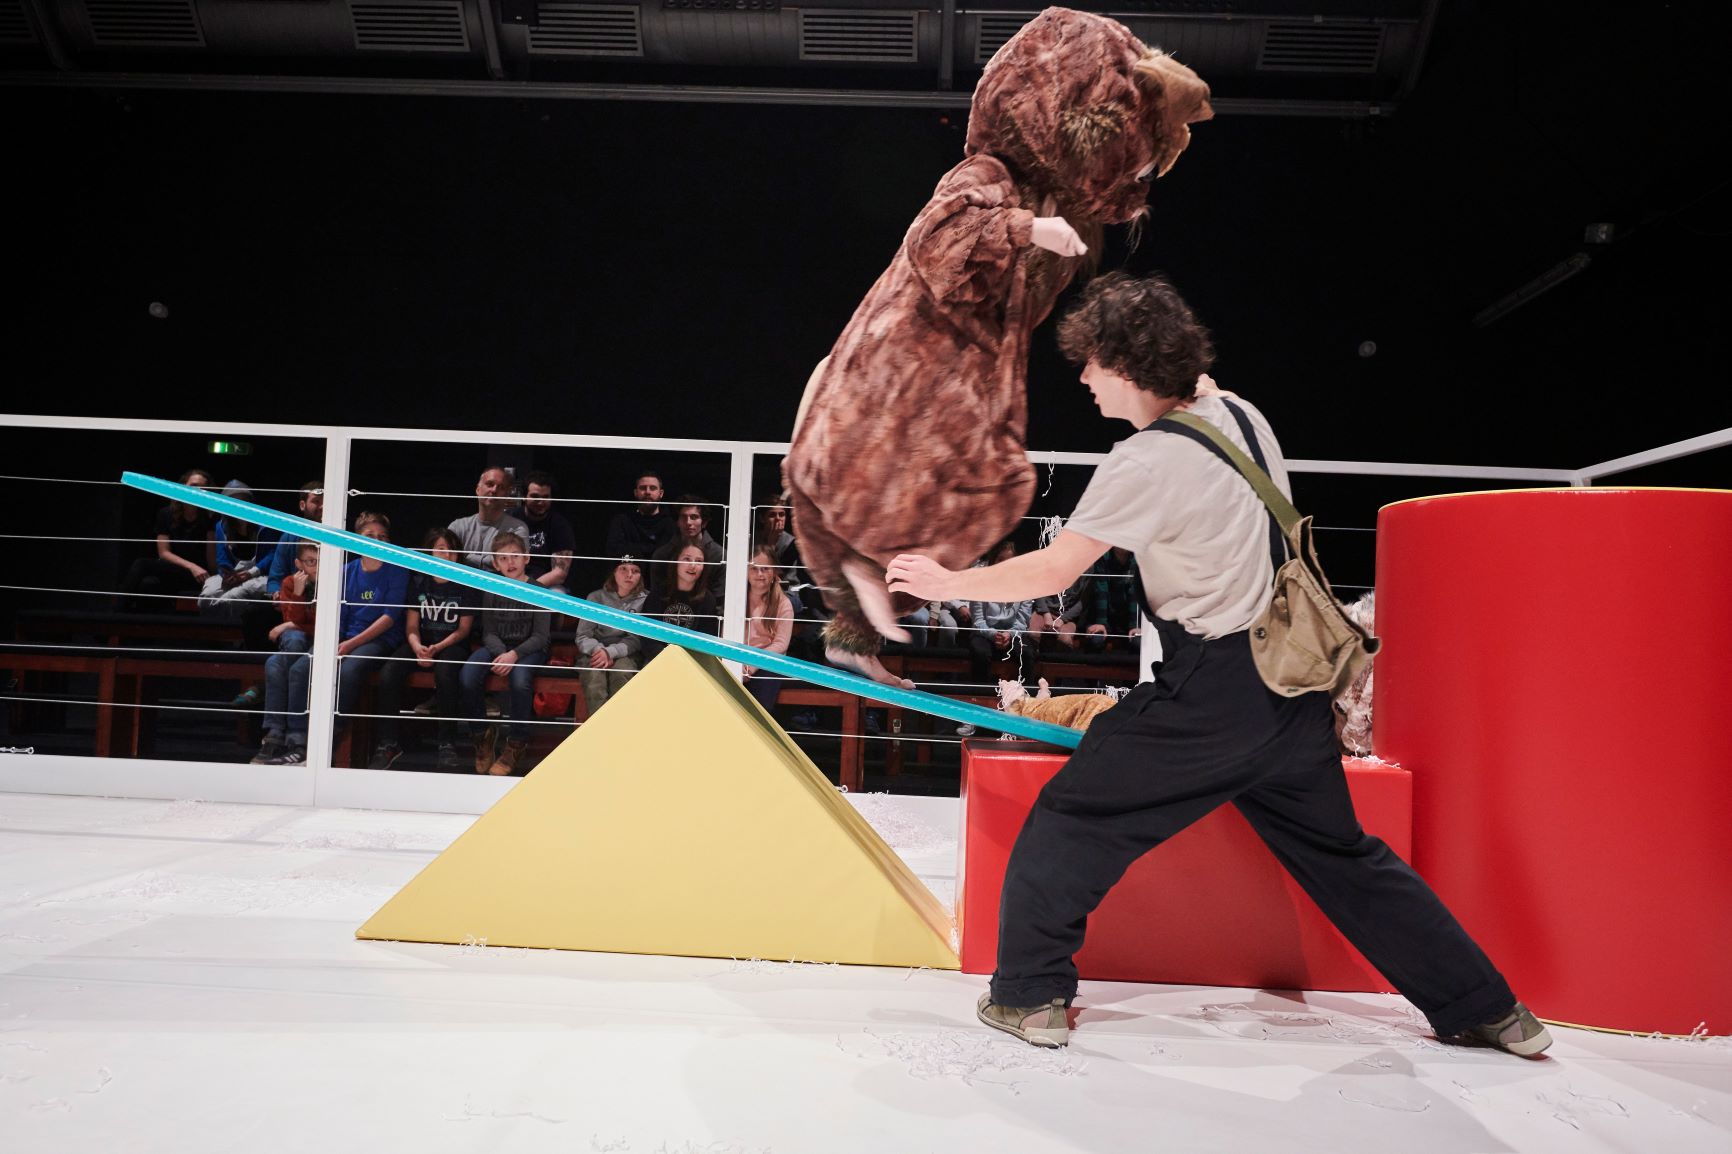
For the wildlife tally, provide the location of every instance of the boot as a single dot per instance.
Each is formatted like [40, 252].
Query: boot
[485, 736]
[507, 763]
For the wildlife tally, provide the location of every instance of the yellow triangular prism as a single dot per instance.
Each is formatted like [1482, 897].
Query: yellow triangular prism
[679, 819]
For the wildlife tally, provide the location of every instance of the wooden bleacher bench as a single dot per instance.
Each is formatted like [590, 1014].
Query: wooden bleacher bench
[117, 628]
[107, 634]
[852, 773]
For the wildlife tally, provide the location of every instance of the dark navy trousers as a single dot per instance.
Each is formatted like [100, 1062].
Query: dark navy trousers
[1206, 732]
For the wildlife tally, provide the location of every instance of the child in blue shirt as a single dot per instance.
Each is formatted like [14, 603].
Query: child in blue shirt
[375, 597]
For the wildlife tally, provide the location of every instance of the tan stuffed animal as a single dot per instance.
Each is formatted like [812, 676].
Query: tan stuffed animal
[1074, 710]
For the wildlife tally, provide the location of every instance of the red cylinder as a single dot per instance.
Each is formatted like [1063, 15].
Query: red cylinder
[1556, 674]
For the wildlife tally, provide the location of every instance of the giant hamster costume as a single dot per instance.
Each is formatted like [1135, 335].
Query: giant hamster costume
[911, 435]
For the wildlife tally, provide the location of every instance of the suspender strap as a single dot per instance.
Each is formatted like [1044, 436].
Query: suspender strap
[1277, 531]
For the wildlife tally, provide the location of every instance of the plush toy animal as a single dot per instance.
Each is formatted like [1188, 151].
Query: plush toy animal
[1073, 709]
[911, 434]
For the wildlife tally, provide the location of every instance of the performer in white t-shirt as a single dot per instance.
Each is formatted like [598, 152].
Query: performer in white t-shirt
[1206, 731]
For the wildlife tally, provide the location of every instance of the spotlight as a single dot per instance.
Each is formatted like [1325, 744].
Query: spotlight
[159, 310]
[1368, 348]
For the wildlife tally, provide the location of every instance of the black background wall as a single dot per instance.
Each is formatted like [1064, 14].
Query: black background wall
[677, 269]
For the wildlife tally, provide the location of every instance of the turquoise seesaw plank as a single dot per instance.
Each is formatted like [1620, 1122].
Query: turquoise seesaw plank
[543, 598]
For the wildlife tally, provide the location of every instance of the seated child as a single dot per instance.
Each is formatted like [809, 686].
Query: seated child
[285, 739]
[607, 656]
[515, 639]
[374, 597]
[438, 624]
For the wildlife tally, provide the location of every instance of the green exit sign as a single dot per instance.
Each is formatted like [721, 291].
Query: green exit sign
[229, 448]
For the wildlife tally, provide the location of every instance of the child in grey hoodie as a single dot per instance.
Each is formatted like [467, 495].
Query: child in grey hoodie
[514, 643]
[607, 656]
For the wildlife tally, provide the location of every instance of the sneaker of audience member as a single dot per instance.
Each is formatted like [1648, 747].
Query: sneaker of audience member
[494, 713]
[506, 764]
[248, 698]
[269, 750]
[874, 722]
[385, 756]
[291, 755]
[1047, 1026]
[449, 759]
[1517, 1032]
[806, 719]
[965, 730]
[425, 709]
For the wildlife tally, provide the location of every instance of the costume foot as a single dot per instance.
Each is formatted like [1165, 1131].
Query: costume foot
[867, 666]
[874, 599]
[1045, 691]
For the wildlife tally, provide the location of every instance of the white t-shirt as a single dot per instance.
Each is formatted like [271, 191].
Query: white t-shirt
[1200, 532]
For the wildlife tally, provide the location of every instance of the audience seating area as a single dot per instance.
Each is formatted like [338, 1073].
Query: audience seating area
[136, 661]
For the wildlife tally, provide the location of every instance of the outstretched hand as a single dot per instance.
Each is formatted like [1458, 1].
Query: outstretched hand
[918, 575]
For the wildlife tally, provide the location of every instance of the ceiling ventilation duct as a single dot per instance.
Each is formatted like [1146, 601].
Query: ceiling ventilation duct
[992, 29]
[1315, 47]
[568, 29]
[143, 24]
[880, 37]
[15, 26]
[409, 25]
[1269, 57]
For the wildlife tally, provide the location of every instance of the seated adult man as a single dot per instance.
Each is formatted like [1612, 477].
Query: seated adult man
[311, 505]
[547, 533]
[476, 532]
[646, 526]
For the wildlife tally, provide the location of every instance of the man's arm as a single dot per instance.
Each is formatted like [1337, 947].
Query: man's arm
[564, 543]
[1022, 578]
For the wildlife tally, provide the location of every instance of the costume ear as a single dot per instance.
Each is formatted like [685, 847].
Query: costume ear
[1180, 98]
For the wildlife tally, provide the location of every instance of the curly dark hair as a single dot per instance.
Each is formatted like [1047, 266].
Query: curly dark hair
[1139, 327]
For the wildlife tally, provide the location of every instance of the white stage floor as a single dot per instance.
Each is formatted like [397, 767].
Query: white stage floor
[184, 977]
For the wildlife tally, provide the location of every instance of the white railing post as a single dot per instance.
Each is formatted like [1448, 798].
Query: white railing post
[739, 548]
[322, 679]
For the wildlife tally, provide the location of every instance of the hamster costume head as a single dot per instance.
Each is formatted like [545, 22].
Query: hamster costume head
[1082, 111]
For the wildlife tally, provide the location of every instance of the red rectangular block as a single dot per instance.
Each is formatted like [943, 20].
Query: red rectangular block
[1209, 907]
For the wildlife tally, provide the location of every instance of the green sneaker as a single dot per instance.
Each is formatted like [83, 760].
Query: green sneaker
[1046, 1025]
[1517, 1032]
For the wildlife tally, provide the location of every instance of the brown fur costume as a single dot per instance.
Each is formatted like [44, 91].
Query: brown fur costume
[911, 435]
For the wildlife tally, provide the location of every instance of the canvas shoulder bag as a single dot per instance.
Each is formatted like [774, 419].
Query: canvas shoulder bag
[1304, 642]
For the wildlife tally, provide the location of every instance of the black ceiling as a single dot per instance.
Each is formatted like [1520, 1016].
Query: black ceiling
[368, 232]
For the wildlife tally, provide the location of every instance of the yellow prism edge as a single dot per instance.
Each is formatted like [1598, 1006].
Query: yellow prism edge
[679, 819]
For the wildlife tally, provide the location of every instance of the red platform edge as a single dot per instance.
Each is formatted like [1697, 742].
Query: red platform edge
[1209, 907]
